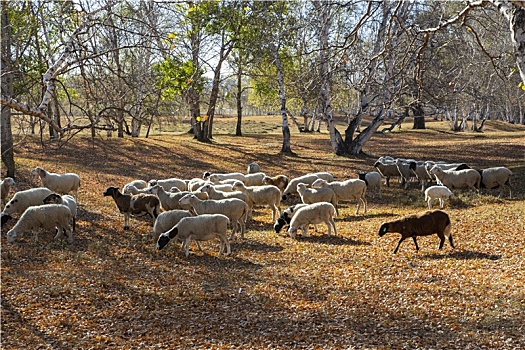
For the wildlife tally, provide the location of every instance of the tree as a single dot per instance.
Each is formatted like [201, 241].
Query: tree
[7, 90]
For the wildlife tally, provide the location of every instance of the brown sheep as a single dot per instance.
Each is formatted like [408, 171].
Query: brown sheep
[279, 181]
[420, 224]
[137, 204]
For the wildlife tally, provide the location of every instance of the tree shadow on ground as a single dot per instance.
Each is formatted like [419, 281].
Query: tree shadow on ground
[332, 240]
[463, 255]
[255, 246]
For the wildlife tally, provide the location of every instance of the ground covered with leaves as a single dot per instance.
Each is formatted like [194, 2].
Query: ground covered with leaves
[112, 289]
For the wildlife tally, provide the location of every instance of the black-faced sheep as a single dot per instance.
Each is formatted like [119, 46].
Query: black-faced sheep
[373, 183]
[67, 200]
[48, 217]
[22, 200]
[59, 183]
[139, 204]
[421, 224]
[166, 220]
[198, 228]
[286, 216]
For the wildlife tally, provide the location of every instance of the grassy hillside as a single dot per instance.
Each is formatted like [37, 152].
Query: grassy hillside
[112, 289]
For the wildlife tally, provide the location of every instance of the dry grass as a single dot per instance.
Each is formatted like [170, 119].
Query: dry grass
[113, 289]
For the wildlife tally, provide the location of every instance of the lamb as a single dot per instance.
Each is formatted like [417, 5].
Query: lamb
[67, 200]
[444, 166]
[316, 195]
[346, 190]
[166, 184]
[468, 178]
[59, 183]
[373, 182]
[138, 204]
[420, 224]
[138, 184]
[262, 195]
[315, 213]
[22, 200]
[253, 168]
[387, 169]
[5, 187]
[437, 192]
[166, 220]
[198, 228]
[279, 181]
[213, 193]
[307, 179]
[235, 209]
[286, 216]
[496, 177]
[48, 217]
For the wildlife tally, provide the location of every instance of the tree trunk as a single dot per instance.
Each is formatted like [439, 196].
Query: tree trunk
[238, 97]
[419, 117]
[286, 148]
[8, 157]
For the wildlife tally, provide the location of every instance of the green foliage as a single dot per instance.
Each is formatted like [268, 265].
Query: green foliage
[174, 77]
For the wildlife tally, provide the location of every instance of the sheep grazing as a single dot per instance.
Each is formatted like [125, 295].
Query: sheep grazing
[137, 184]
[235, 209]
[166, 184]
[253, 168]
[421, 173]
[166, 220]
[255, 179]
[198, 228]
[286, 216]
[316, 195]
[22, 200]
[279, 181]
[437, 192]
[373, 183]
[346, 190]
[168, 200]
[313, 214]
[59, 183]
[67, 200]
[216, 177]
[307, 179]
[262, 195]
[213, 193]
[421, 224]
[5, 187]
[195, 183]
[468, 178]
[387, 168]
[139, 204]
[404, 170]
[47, 217]
[496, 177]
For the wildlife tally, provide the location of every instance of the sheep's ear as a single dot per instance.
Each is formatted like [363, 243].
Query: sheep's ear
[173, 232]
[383, 229]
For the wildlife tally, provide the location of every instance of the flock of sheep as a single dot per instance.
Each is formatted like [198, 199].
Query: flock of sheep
[202, 209]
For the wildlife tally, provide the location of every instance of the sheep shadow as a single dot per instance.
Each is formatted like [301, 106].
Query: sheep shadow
[463, 255]
[253, 245]
[220, 262]
[362, 217]
[331, 240]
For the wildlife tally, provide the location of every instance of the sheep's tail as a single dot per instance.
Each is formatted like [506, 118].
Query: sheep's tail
[448, 229]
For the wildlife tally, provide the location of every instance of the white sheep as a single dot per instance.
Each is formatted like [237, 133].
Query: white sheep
[308, 179]
[468, 178]
[67, 200]
[420, 171]
[253, 168]
[130, 189]
[168, 200]
[287, 215]
[437, 192]
[262, 195]
[496, 177]
[255, 179]
[5, 187]
[59, 183]
[316, 195]
[404, 170]
[169, 183]
[235, 209]
[195, 183]
[48, 217]
[443, 166]
[166, 220]
[216, 177]
[198, 228]
[137, 184]
[373, 183]
[214, 193]
[22, 200]
[346, 190]
[313, 214]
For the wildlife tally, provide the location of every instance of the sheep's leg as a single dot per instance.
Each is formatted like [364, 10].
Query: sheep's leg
[450, 241]
[441, 240]
[60, 232]
[429, 201]
[243, 227]
[398, 244]
[333, 225]
[441, 203]
[126, 221]
[415, 242]
[328, 225]
[365, 204]
[187, 244]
